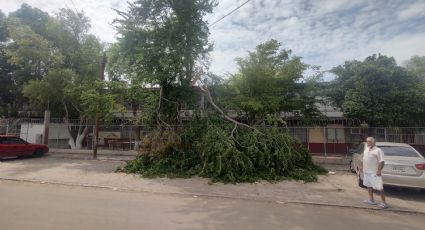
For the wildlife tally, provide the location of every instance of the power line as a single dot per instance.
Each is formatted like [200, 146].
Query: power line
[231, 12]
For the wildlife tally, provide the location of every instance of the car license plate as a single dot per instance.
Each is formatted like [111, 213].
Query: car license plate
[401, 170]
[398, 169]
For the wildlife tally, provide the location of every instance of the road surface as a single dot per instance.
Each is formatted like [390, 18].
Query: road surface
[44, 206]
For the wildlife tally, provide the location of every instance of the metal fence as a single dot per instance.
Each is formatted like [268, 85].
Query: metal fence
[121, 135]
[338, 140]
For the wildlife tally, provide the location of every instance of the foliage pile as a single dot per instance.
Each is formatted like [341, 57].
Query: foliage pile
[205, 149]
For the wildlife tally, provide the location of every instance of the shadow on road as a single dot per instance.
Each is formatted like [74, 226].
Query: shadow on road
[412, 194]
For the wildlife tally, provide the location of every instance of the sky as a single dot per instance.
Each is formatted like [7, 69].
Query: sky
[323, 32]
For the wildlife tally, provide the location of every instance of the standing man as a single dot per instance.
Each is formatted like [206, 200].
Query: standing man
[373, 163]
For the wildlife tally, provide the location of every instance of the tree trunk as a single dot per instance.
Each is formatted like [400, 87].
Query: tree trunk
[135, 107]
[77, 142]
[71, 141]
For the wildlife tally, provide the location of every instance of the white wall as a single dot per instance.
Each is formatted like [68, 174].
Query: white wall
[30, 131]
[56, 131]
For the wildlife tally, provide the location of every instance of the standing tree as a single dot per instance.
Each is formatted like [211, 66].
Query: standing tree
[7, 87]
[66, 67]
[163, 40]
[416, 66]
[378, 91]
[24, 53]
[269, 81]
[131, 89]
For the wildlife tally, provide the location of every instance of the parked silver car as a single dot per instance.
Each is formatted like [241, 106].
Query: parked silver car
[404, 166]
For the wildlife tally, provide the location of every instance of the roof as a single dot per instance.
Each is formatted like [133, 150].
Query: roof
[392, 144]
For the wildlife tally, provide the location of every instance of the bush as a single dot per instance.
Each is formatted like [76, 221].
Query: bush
[206, 149]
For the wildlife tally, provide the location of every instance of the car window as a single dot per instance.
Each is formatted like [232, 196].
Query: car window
[399, 151]
[5, 140]
[14, 140]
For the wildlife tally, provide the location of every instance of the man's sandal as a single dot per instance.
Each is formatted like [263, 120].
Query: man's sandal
[371, 202]
[383, 206]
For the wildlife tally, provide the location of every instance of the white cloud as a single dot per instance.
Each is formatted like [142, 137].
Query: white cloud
[411, 11]
[100, 12]
[325, 32]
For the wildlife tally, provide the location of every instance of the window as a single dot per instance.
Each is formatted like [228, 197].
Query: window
[399, 151]
[355, 131]
[299, 133]
[13, 140]
[380, 131]
[335, 134]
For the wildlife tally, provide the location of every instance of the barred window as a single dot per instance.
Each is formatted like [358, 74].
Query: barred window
[335, 134]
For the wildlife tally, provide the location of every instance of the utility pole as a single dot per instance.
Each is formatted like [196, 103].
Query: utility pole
[102, 65]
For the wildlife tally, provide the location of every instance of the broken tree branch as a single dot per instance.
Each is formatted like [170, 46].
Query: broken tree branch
[204, 88]
[216, 107]
[158, 109]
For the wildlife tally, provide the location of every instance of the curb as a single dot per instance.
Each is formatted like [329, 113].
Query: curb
[74, 157]
[215, 196]
[89, 152]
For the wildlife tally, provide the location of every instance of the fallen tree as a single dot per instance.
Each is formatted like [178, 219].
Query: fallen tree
[213, 147]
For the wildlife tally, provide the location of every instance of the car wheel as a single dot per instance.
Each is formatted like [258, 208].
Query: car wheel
[38, 153]
[361, 182]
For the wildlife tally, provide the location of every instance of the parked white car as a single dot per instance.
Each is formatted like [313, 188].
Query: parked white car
[404, 166]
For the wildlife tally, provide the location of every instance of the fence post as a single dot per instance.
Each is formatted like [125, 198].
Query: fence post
[28, 127]
[308, 138]
[57, 130]
[325, 142]
[92, 138]
[131, 132]
[46, 127]
[385, 134]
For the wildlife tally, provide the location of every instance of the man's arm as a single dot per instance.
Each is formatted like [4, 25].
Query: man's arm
[381, 163]
[380, 167]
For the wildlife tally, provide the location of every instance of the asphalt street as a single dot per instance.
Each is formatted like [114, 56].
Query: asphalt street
[45, 206]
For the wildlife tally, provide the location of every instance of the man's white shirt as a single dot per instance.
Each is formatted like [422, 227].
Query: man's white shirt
[371, 159]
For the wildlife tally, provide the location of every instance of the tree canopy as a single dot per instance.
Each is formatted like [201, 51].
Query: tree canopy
[416, 66]
[52, 62]
[53, 59]
[269, 81]
[162, 42]
[378, 92]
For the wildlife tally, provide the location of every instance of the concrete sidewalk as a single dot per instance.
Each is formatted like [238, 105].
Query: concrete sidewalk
[338, 189]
